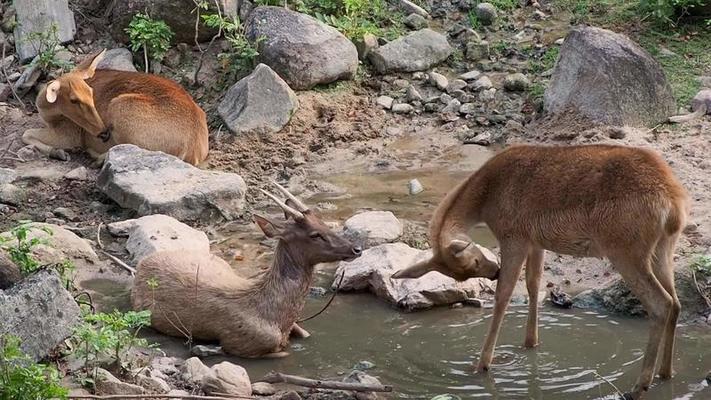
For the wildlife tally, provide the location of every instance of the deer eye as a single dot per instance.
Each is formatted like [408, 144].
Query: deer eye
[74, 100]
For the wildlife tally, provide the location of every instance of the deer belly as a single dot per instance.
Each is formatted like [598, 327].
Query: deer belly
[573, 246]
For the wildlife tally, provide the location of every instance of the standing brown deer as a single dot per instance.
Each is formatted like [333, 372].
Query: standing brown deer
[199, 295]
[97, 109]
[619, 202]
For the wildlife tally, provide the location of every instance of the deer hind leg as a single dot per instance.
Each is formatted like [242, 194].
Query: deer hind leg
[663, 269]
[658, 303]
[534, 269]
[51, 143]
[512, 257]
[299, 332]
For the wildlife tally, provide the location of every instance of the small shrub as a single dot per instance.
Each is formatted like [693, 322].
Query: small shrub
[21, 251]
[153, 36]
[702, 265]
[474, 20]
[242, 53]
[23, 379]
[546, 61]
[668, 12]
[47, 44]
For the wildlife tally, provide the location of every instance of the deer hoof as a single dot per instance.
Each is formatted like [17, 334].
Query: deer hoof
[59, 154]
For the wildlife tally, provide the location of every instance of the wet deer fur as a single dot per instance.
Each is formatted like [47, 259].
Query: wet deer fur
[95, 109]
[199, 295]
[623, 203]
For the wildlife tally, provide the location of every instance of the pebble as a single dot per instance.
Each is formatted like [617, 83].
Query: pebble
[414, 187]
[482, 139]
[66, 213]
[402, 108]
[452, 106]
[486, 13]
[516, 82]
[445, 98]
[470, 76]
[263, 389]
[401, 83]
[468, 108]
[439, 80]
[478, 303]
[457, 84]
[78, 174]
[412, 94]
[415, 21]
[385, 101]
[364, 365]
[482, 83]
[316, 292]
[487, 95]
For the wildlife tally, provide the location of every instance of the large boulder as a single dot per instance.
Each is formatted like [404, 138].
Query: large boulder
[38, 16]
[152, 182]
[259, 103]
[417, 51]
[40, 312]
[372, 228]
[301, 49]
[607, 78]
[118, 59]
[227, 378]
[152, 233]
[372, 271]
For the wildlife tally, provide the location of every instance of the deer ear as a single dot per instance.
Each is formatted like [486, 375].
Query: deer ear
[270, 228]
[417, 270]
[456, 247]
[52, 90]
[87, 67]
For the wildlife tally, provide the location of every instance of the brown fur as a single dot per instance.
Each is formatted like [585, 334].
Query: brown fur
[131, 107]
[201, 295]
[619, 202]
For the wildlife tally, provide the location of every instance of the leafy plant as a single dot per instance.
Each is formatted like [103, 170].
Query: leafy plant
[242, 52]
[153, 36]
[22, 379]
[702, 265]
[664, 11]
[474, 20]
[47, 44]
[546, 61]
[21, 252]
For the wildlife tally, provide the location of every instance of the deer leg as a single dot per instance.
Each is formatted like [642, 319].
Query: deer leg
[299, 332]
[658, 304]
[279, 354]
[512, 256]
[99, 158]
[50, 143]
[663, 268]
[534, 269]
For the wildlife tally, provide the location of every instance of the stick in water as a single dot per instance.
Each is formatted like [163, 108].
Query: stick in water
[276, 377]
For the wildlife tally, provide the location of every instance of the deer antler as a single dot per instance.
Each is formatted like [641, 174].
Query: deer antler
[299, 204]
[294, 213]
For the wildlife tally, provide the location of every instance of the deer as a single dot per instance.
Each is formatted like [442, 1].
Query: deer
[200, 296]
[95, 109]
[613, 201]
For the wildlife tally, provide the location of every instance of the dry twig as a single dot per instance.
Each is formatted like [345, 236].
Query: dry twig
[119, 262]
[276, 377]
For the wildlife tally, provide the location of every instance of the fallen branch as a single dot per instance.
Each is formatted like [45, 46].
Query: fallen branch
[276, 377]
[602, 378]
[98, 235]
[159, 396]
[119, 262]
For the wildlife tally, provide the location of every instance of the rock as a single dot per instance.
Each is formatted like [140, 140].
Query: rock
[302, 50]
[411, 94]
[477, 50]
[259, 103]
[227, 378]
[702, 100]
[385, 101]
[372, 228]
[415, 21]
[40, 312]
[487, 95]
[152, 384]
[615, 297]
[410, 8]
[402, 108]
[456, 85]
[357, 376]
[373, 269]
[417, 51]
[290, 395]
[119, 59]
[482, 139]
[66, 213]
[468, 108]
[401, 83]
[152, 182]
[704, 81]
[152, 233]
[263, 389]
[414, 187]
[482, 83]
[7, 175]
[607, 78]
[486, 13]
[453, 106]
[166, 365]
[364, 365]
[438, 80]
[365, 45]
[193, 371]
[516, 82]
[58, 245]
[445, 99]
[38, 16]
[179, 394]
[9, 272]
[28, 78]
[12, 195]
[78, 174]
[206, 351]
[107, 384]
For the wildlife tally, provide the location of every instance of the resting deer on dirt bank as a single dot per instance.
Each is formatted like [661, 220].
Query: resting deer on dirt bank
[199, 295]
[97, 109]
[619, 202]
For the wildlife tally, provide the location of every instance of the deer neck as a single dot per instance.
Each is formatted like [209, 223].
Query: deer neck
[458, 212]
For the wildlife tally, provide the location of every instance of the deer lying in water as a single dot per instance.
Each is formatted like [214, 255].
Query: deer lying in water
[97, 109]
[250, 318]
[619, 202]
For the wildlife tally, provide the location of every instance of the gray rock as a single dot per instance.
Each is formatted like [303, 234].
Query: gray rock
[66, 213]
[468, 108]
[482, 139]
[486, 13]
[263, 389]
[364, 365]
[28, 78]
[78, 174]
[477, 50]
[118, 59]
[410, 7]
[456, 85]
[438, 80]
[702, 101]
[206, 350]
[37, 16]
[445, 99]
[417, 51]
[487, 95]
[411, 94]
[40, 312]
[302, 50]
[259, 103]
[12, 195]
[358, 376]
[9, 272]
[401, 83]
[516, 82]
[227, 378]
[152, 233]
[470, 76]
[704, 81]
[373, 269]
[402, 108]
[107, 384]
[385, 101]
[167, 366]
[193, 371]
[615, 297]
[153, 384]
[59, 245]
[453, 106]
[372, 228]
[365, 45]
[415, 21]
[607, 78]
[482, 83]
[152, 182]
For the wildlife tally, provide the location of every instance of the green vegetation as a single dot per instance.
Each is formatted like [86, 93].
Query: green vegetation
[504, 5]
[153, 36]
[242, 52]
[474, 20]
[23, 379]
[47, 44]
[545, 62]
[355, 18]
[21, 251]
[702, 265]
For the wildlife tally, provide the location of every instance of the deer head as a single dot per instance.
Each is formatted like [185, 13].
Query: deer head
[459, 259]
[71, 96]
[307, 239]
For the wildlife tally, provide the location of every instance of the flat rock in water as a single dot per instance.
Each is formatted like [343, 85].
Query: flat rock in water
[40, 312]
[302, 50]
[417, 51]
[373, 269]
[372, 228]
[607, 78]
[152, 233]
[259, 103]
[152, 182]
[38, 16]
[118, 59]
[227, 378]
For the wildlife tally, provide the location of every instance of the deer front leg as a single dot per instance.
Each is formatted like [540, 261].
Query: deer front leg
[512, 256]
[299, 332]
[50, 143]
[99, 158]
[534, 269]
